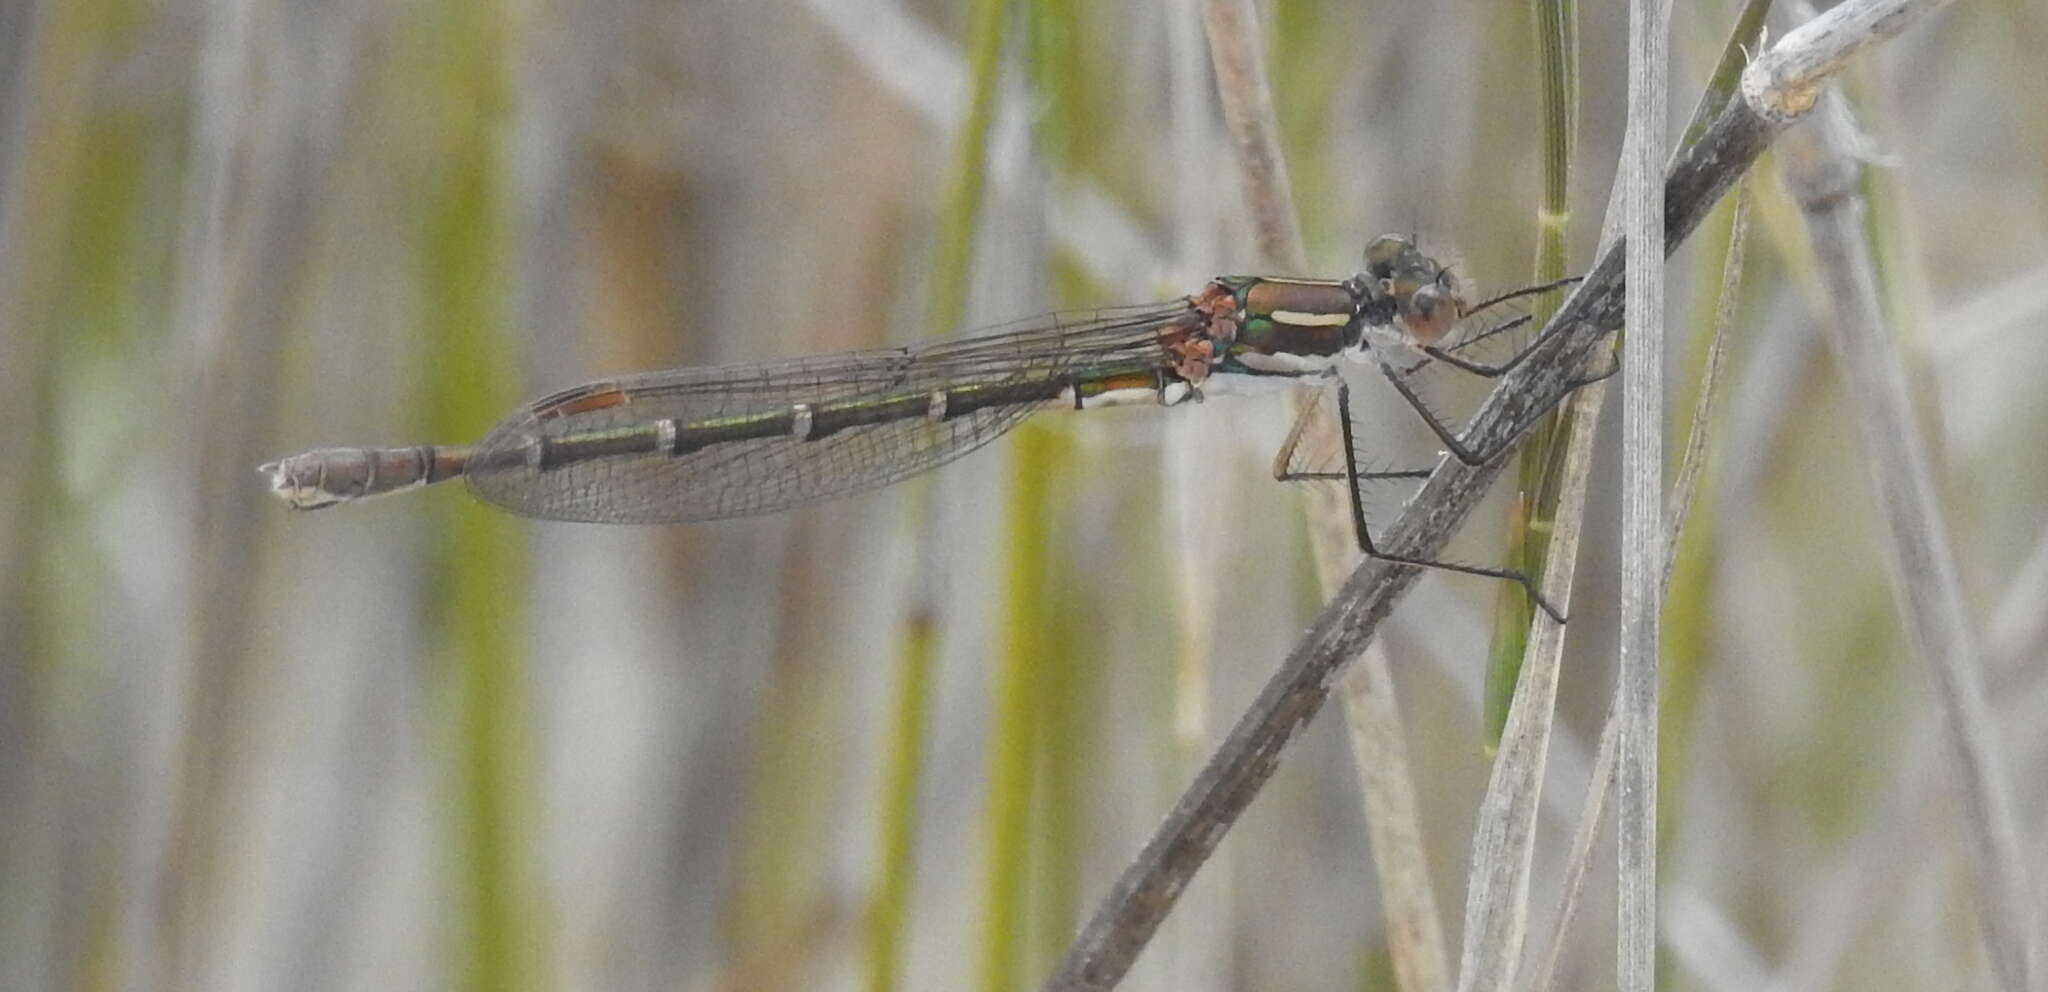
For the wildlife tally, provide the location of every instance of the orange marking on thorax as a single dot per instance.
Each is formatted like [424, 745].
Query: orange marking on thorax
[1194, 342]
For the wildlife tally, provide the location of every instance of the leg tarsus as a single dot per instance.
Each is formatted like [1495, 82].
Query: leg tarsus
[1510, 575]
[1481, 368]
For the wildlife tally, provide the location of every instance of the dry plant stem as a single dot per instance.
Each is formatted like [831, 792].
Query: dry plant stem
[1386, 785]
[1232, 27]
[1683, 491]
[1503, 841]
[1393, 816]
[1783, 83]
[1415, 939]
[1386, 788]
[1545, 644]
[1580, 857]
[1247, 101]
[1642, 498]
[232, 219]
[1685, 487]
[1487, 935]
[1148, 887]
[1823, 178]
[1866, 877]
[2019, 626]
[1196, 951]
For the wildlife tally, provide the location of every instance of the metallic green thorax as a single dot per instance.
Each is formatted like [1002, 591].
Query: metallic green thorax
[1301, 317]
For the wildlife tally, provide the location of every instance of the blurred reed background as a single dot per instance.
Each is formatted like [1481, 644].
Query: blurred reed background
[417, 744]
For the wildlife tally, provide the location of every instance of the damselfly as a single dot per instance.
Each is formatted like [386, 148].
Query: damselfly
[704, 443]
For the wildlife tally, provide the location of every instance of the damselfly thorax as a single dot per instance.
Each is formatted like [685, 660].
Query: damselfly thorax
[707, 442]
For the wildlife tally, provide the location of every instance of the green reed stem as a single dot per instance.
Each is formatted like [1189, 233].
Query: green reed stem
[1542, 458]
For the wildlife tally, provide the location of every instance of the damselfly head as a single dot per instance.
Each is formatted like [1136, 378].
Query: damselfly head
[1427, 298]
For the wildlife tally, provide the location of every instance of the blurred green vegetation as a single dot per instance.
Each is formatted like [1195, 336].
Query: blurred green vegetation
[464, 245]
[416, 743]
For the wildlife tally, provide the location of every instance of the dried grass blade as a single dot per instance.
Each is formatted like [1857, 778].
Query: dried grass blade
[1818, 166]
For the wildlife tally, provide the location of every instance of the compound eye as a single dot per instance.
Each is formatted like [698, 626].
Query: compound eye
[1383, 252]
[1431, 312]
[1426, 300]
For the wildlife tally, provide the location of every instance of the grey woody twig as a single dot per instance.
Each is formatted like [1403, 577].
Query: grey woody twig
[1783, 83]
[1386, 783]
[1149, 886]
[1146, 890]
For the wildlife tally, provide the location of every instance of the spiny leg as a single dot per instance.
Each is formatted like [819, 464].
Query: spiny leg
[1365, 536]
[1421, 407]
[1516, 294]
[1449, 356]
[1450, 438]
[1283, 460]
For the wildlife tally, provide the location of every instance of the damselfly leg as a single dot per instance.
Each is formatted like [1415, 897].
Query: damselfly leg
[1449, 356]
[1424, 323]
[1355, 479]
[1399, 377]
[1284, 464]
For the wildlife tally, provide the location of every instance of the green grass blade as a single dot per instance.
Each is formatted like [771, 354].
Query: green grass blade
[1542, 458]
[962, 211]
[1022, 686]
[1534, 508]
[1688, 604]
[1742, 42]
[1040, 642]
[887, 911]
[75, 184]
[481, 556]
[1686, 609]
[888, 905]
